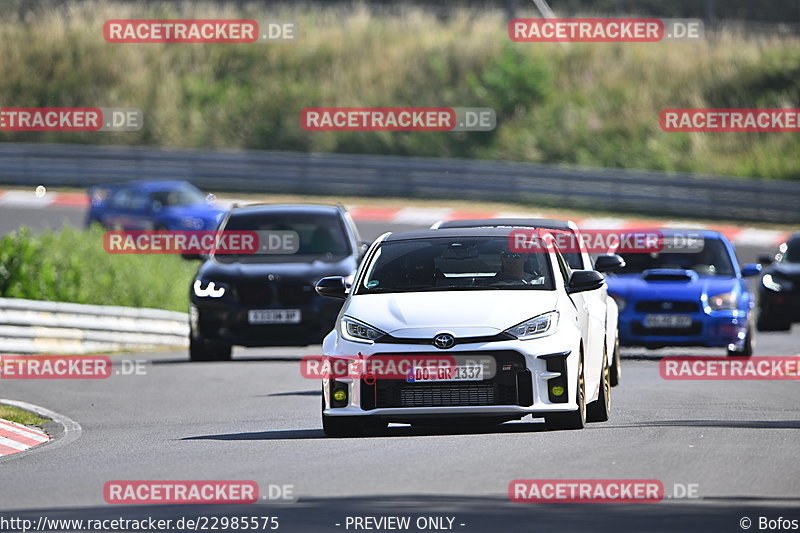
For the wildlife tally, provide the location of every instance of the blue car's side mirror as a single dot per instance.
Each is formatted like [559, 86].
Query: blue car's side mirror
[751, 269]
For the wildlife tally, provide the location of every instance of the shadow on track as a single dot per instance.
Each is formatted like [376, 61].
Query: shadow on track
[727, 424]
[392, 431]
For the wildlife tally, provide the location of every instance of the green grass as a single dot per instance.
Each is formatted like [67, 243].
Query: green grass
[71, 265]
[584, 104]
[20, 416]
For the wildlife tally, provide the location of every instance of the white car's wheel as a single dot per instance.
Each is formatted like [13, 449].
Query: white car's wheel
[573, 419]
[616, 365]
[600, 409]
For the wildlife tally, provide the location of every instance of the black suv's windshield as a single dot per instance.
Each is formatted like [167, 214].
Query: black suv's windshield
[445, 264]
[712, 260]
[321, 236]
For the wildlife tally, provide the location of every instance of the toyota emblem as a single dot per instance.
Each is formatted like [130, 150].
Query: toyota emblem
[444, 341]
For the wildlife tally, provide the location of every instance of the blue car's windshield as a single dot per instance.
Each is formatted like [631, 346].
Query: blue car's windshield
[184, 195]
[712, 260]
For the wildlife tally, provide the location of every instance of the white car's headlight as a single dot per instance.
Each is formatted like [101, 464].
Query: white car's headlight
[356, 331]
[208, 290]
[539, 326]
[726, 300]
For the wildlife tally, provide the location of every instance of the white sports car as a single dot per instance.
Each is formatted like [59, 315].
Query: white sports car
[515, 327]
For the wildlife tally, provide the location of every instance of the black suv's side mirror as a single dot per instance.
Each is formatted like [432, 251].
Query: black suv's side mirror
[585, 280]
[332, 287]
[765, 259]
[609, 263]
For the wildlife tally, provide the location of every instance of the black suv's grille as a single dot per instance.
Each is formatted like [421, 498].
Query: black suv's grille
[667, 306]
[275, 294]
[511, 385]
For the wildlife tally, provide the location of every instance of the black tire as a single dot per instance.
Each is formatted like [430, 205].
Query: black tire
[205, 350]
[600, 409]
[748, 346]
[616, 365]
[572, 419]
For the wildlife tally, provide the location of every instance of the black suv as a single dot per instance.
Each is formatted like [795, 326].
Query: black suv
[265, 299]
[779, 290]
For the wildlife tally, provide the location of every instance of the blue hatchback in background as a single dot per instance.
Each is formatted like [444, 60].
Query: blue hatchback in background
[152, 205]
[695, 298]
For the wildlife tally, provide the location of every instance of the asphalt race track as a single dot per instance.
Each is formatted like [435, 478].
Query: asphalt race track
[256, 418]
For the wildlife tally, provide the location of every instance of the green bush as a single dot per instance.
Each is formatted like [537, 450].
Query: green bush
[71, 265]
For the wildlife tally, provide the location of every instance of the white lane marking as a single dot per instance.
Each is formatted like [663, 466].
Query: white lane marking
[602, 223]
[13, 444]
[420, 215]
[72, 430]
[23, 431]
[759, 237]
[682, 224]
[25, 198]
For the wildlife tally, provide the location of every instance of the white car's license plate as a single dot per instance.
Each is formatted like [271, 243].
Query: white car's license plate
[274, 316]
[667, 321]
[455, 373]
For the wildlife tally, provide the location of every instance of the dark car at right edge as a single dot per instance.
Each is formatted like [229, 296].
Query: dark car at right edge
[779, 289]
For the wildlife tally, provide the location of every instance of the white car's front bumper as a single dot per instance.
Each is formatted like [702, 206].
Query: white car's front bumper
[564, 341]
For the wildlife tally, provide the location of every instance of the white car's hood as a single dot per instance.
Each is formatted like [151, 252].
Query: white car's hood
[462, 313]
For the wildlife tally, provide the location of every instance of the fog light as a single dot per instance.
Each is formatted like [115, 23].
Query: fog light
[339, 395]
[557, 390]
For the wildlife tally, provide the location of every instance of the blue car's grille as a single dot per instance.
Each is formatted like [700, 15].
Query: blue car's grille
[695, 329]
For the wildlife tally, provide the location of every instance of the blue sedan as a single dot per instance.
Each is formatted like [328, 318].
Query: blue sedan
[152, 205]
[697, 298]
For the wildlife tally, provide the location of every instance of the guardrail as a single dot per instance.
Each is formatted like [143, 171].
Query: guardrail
[32, 326]
[655, 193]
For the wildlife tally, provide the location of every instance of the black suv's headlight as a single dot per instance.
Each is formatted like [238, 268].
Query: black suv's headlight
[208, 289]
[776, 283]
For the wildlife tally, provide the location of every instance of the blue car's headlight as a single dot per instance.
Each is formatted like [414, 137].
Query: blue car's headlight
[539, 326]
[725, 300]
[192, 223]
[208, 289]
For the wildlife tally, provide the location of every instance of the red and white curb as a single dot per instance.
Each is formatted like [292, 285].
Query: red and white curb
[15, 438]
[425, 216]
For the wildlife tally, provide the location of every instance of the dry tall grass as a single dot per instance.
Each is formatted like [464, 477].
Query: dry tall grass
[584, 104]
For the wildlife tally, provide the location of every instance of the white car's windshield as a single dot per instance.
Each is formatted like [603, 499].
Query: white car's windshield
[444, 264]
